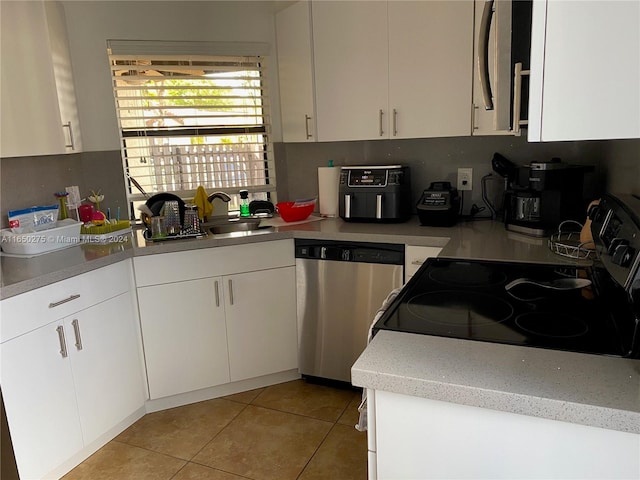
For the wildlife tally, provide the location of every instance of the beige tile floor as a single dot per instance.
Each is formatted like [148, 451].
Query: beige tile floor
[293, 430]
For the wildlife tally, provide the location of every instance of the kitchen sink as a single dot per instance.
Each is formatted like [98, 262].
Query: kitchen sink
[231, 225]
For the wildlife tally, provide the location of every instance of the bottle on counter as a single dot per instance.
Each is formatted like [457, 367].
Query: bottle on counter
[244, 203]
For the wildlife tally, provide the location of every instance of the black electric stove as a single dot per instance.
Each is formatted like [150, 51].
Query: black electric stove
[473, 299]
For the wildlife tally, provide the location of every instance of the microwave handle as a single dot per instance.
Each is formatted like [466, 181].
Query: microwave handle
[483, 54]
[517, 97]
[379, 206]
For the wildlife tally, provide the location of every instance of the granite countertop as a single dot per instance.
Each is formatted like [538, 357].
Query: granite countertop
[481, 239]
[593, 390]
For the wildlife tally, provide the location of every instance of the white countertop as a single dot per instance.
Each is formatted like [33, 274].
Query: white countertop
[482, 239]
[586, 389]
[592, 390]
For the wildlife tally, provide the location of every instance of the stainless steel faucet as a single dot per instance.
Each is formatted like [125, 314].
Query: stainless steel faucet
[221, 195]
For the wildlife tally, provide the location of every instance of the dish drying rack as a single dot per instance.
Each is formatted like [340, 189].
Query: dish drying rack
[567, 243]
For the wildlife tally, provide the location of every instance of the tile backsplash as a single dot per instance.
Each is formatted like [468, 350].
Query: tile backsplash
[28, 181]
[438, 159]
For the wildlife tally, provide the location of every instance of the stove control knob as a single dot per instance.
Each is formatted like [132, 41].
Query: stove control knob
[623, 255]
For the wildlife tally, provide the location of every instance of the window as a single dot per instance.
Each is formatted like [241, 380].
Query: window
[191, 119]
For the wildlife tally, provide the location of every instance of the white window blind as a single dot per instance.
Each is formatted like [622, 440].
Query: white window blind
[193, 119]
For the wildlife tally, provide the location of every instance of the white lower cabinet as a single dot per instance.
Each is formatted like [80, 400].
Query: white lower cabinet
[422, 438]
[236, 322]
[40, 401]
[261, 322]
[106, 364]
[184, 334]
[74, 379]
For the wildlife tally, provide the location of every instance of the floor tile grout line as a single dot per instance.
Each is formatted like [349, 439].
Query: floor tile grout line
[244, 405]
[220, 470]
[324, 439]
[219, 432]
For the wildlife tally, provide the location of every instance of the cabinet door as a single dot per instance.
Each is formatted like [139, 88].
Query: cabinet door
[105, 361]
[261, 322]
[585, 71]
[40, 400]
[63, 74]
[430, 68]
[295, 69]
[30, 114]
[185, 338]
[350, 47]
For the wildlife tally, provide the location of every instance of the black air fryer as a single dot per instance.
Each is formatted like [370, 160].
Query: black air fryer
[439, 205]
[380, 193]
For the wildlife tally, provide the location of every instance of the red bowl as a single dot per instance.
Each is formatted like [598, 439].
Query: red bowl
[289, 213]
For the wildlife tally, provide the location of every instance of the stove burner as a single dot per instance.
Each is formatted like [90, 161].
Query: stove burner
[549, 324]
[463, 274]
[459, 309]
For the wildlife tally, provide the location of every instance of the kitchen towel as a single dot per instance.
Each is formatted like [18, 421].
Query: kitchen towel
[204, 206]
[328, 180]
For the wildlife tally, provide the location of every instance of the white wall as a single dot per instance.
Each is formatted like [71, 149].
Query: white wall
[91, 23]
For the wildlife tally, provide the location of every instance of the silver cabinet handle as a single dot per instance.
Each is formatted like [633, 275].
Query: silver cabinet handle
[379, 206]
[306, 126]
[76, 331]
[517, 97]
[71, 143]
[217, 292]
[483, 54]
[57, 304]
[395, 122]
[323, 253]
[347, 206]
[381, 130]
[63, 343]
[230, 292]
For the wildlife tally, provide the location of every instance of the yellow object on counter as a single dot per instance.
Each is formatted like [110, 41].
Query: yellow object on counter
[205, 209]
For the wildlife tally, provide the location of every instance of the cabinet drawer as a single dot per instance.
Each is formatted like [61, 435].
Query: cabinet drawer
[212, 262]
[415, 256]
[34, 309]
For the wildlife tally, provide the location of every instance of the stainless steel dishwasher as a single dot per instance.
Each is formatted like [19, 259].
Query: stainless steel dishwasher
[340, 286]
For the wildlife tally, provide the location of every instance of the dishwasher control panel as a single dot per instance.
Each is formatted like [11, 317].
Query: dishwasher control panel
[350, 251]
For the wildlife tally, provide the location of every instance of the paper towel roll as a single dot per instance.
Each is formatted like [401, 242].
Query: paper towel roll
[328, 180]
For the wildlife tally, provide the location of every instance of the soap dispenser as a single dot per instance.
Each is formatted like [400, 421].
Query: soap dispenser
[244, 203]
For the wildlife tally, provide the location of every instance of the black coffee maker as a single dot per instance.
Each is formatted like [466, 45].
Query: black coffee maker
[542, 195]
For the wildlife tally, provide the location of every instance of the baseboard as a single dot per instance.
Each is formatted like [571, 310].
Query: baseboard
[94, 446]
[220, 391]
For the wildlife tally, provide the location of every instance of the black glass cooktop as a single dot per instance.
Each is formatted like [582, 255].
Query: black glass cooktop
[468, 299]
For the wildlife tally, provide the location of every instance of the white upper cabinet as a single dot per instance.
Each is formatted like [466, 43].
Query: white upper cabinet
[350, 47]
[38, 112]
[430, 68]
[392, 69]
[585, 70]
[295, 70]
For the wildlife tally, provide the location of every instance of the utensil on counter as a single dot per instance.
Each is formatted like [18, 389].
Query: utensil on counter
[156, 202]
[172, 216]
[191, 219]
[138, 186]
[559, 284]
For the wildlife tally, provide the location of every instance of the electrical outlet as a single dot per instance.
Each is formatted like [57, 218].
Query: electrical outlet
[465, 178]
